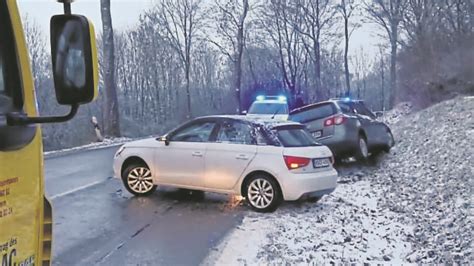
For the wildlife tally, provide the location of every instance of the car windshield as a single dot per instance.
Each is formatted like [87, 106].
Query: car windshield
[268, 108]
[314, 113]
[294, 136]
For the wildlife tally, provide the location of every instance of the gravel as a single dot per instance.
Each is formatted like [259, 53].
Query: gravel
[413, 206]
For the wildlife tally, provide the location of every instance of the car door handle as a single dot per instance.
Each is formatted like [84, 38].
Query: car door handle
[242, 157]
[197, 154]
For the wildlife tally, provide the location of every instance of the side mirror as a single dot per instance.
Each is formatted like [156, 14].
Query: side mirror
[165, 140]
[74, 55]
[378, 114]
[75, 67]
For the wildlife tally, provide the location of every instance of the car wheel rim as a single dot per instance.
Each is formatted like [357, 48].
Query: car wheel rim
[363, 148]
[260, 193]
[139, 180]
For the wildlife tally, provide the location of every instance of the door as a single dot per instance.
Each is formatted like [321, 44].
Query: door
[231, 153]
[369, 123]
[181, 162]
[21, 168]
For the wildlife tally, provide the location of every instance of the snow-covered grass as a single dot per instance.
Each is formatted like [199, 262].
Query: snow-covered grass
[91, 146]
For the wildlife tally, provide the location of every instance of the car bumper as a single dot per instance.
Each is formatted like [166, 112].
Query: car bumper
[294, 186]
[343, 141]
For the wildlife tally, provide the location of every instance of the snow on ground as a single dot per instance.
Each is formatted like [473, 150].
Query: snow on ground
[398, 112]
[414, 206]
[91, 146]
[345, 227]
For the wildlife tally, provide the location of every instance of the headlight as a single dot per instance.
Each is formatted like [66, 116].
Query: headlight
[120, 150]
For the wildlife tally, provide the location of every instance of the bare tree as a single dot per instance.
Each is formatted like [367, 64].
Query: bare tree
[388, 14]
[180, 22]
[279, 18]
[231, 26]
[346, 9]
[318, 18]
[112, 123]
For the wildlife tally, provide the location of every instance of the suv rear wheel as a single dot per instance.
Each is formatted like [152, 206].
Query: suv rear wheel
[363, 150]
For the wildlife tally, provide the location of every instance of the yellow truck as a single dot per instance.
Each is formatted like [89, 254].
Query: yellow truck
[25, 213]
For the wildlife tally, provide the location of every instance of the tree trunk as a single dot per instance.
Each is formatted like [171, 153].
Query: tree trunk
[346, 51]
[393, 65]
[112, 123]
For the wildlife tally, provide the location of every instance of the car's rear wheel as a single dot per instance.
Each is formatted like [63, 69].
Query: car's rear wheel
[138, 180]
[363, 150]
[263, 193]
[391, 141]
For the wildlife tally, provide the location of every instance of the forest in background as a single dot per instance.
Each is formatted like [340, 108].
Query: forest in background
[186, 58]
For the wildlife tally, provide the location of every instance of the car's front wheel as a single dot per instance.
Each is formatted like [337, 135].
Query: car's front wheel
[263, 193]
[138, 180]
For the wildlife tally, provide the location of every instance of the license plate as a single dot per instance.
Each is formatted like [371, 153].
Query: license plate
[320, 163]
[317, 134]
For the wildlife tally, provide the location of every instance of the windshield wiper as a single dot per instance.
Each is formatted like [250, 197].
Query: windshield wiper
[274, 114]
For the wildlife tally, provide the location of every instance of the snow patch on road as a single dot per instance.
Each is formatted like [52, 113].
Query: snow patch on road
[344, 227]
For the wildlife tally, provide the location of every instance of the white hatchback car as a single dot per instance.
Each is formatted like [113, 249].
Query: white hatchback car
[264, 161]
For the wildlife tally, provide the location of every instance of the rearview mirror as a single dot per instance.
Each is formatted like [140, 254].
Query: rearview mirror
[74, 55]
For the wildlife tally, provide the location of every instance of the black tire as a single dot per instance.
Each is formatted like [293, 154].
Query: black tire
[362, 153]
[391, 141]
[142, 187]
[266, 184]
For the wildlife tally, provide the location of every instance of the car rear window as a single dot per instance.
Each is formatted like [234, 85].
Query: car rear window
[294, 136]
[268, 108]
[314, 113]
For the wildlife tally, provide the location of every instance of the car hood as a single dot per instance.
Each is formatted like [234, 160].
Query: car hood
[142, 143]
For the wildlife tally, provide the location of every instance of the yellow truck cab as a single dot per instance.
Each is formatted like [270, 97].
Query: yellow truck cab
[25, 214]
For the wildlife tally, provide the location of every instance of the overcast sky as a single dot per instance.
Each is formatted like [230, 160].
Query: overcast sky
[125, 15]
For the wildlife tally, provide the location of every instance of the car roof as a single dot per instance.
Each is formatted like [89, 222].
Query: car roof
[270, 101]
[332, 100]
[268, 122]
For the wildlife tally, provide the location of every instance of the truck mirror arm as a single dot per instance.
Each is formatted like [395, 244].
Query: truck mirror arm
[17, 119]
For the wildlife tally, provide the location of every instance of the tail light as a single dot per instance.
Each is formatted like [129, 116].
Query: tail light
[293, 162]
[335, 120]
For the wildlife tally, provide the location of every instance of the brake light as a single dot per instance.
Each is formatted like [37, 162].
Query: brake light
[335, 120]
[293, 162]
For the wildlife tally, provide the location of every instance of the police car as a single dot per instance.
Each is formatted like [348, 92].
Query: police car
[269, 107]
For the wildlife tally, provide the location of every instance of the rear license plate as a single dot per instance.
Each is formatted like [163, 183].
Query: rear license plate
[317, 134]
[320, 163]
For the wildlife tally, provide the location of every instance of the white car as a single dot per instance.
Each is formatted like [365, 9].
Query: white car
[269, 107]
[265, 162]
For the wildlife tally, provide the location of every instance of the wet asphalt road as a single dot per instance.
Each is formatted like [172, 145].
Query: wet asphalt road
[98, 222]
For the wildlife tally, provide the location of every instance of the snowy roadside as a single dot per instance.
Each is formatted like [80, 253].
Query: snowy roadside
[414, 206]
[344, 227]
[92, 146]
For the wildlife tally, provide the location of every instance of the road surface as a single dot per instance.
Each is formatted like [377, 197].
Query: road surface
[98, 222]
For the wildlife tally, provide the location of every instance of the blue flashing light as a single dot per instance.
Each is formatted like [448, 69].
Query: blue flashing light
[260, 98]
[346, 99]
[282, 98]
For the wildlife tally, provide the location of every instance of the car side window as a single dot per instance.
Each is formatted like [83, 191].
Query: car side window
[346, 108]
[235, 132]
[196, 132]
[361, 109]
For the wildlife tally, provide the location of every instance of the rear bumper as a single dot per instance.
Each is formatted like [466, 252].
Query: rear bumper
[343, 141]
[294, 186]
